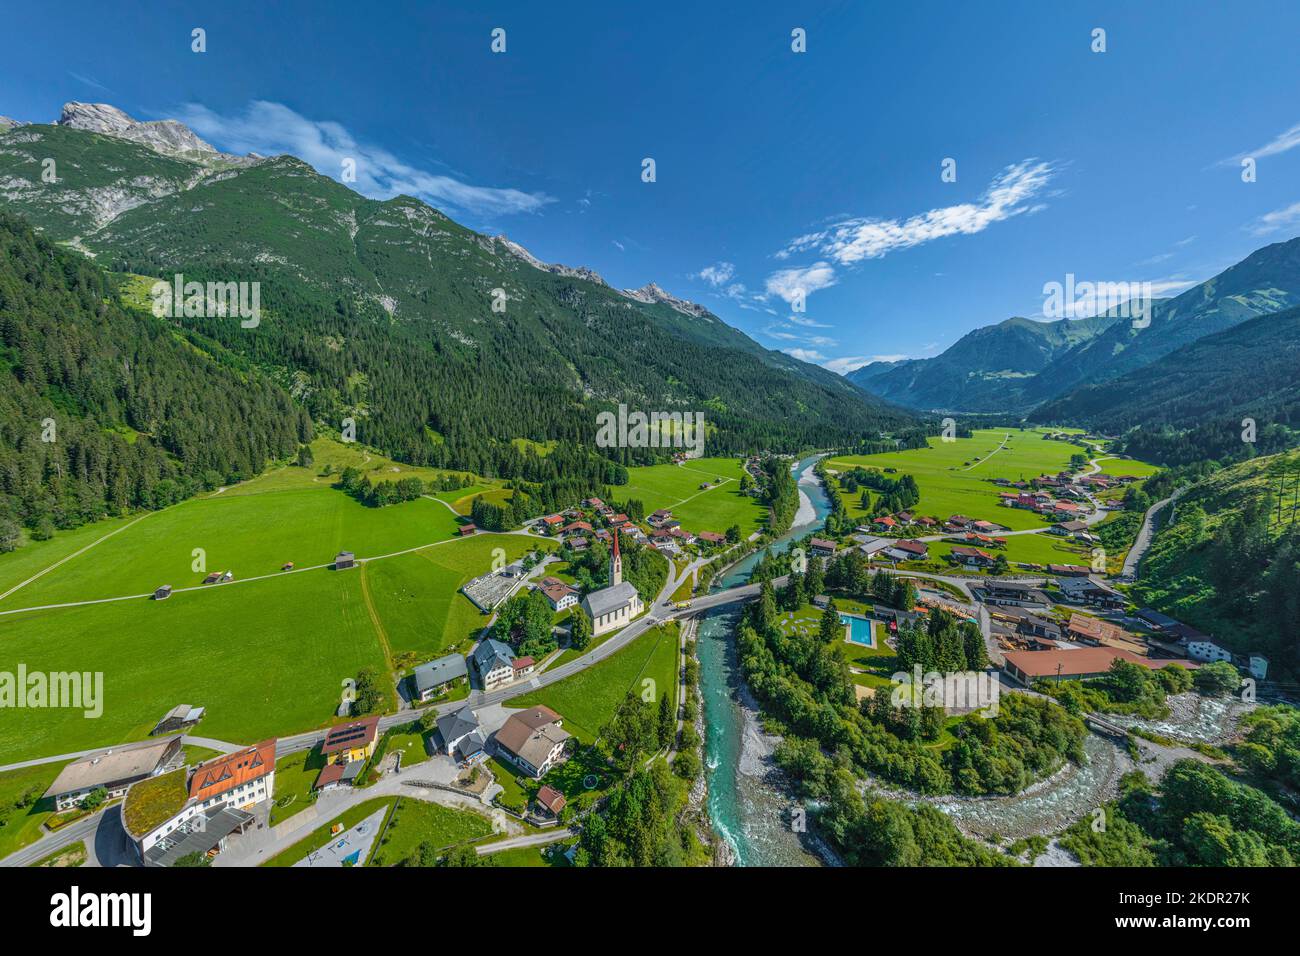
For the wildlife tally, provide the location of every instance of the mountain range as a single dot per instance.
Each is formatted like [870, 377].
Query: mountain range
[383, 310]
[1191, 360]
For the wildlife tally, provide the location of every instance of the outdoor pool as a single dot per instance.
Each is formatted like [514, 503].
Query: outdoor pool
[859, 630]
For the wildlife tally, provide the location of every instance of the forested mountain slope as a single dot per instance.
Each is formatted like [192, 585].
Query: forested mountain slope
[383, 311]
[104, 408]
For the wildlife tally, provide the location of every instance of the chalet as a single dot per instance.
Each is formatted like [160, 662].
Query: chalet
[550, 800]
[987, 527]
[1065, 528]
[350, 742]
[466, 530]
[593, 503]
[618, 519]
[436, 676]
[927, 522]
[1011, 594]
[972, 557]
[523, 666]
[114, 770]
[657, 518]
[682, 535]
[494, 662]
[904, 517]
[551, 522]
[212, 578]
[455, 728]
[907, 550]
[1074, 663]
[163, 593]
[180, 717]
[559, 595]
[821, 548]
[575, 527]
[577, 544]
[533, 740]
[712, 538]
[885, 523]
[1065, 509]
[669, 524]
[601, 535]
[1086, 591]
[344, 560]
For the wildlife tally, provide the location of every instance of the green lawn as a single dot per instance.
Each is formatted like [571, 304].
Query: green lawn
[417, 821]
[951, 482]
[35, 556]
[588, 699]
[294, 776]
[551, 854]
[678, 487]
[20, 826]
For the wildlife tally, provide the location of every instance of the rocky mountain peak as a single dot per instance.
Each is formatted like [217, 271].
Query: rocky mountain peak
[519, 252]
[169, 137]
[651, 292]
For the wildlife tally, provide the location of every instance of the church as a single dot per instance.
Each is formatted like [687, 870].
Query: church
[615, 605]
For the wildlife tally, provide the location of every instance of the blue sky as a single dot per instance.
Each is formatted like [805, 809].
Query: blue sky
[775, 170]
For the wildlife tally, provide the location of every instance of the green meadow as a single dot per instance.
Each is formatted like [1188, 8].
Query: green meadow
[587, 700]
[678, 487]
[955, 477]
[416, 596]
[250, 535]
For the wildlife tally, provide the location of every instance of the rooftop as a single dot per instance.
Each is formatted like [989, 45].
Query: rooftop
[113, 765]
[152, 802]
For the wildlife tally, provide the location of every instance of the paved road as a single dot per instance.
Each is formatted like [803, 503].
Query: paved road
[1146, 534]
[532, 839]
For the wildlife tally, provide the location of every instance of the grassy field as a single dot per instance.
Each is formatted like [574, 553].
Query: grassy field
[952, 482]
[294, 776]
[20, 826]
[265, 658]
[588, 699]
[678, 487]
[250, 535]
[552, 854]
[35, 556]
[415, 821]
[416, 596]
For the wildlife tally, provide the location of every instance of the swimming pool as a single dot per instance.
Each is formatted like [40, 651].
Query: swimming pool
[860, 631]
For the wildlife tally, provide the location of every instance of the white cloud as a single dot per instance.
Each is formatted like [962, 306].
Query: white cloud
[806, 322]
[853, 240]
[718, 274]
[805, 355]
[849, 363]
[272, 128]
[1283, 218]
[787, 284]
[1281, 143]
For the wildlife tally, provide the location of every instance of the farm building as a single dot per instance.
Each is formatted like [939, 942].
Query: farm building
[178, 718]
[433, 678]
[345, 559]
[115, 770]
[163, 593]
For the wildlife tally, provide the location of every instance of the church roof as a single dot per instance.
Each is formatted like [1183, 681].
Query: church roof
[610, 599]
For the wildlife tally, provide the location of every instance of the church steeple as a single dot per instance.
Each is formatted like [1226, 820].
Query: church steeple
[615, 563]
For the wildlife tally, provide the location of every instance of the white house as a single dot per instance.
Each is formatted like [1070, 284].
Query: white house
[1207, 651]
